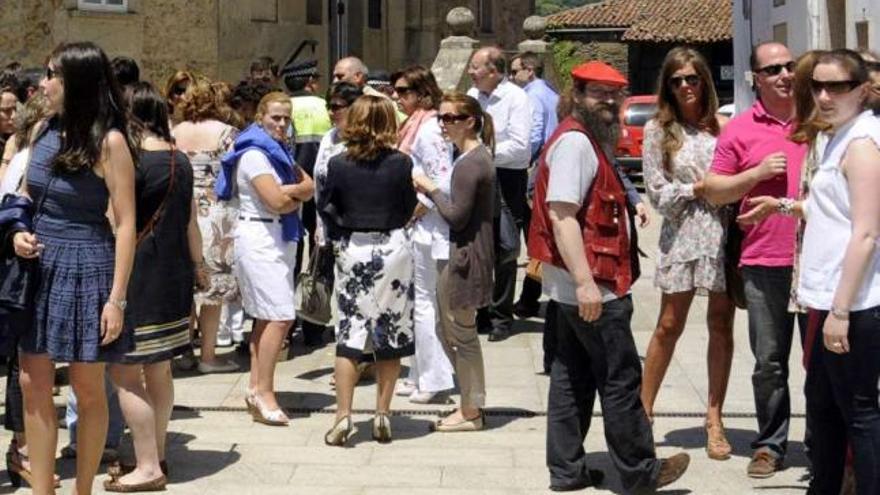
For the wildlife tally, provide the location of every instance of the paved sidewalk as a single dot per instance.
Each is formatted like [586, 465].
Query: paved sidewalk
[215, 448]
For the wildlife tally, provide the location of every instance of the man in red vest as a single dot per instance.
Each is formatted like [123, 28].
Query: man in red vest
[580, 230]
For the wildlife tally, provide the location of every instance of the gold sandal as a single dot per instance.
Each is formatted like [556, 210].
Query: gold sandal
[339, 434]
[717, 446]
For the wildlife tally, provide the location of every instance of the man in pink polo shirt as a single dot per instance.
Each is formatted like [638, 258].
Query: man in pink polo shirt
[754, 157]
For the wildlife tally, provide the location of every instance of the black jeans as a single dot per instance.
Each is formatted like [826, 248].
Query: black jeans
[598, 357]
[771, 328]
[843, 407]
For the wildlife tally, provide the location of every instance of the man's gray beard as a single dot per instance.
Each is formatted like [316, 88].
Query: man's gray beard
[604, 133]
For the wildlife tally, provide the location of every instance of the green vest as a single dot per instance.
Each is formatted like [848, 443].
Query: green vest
[310, 118]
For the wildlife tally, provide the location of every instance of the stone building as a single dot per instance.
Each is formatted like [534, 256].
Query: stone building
[634, 36]
[220, 37]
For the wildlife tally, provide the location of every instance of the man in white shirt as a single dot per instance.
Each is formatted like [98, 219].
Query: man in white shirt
[511, 114]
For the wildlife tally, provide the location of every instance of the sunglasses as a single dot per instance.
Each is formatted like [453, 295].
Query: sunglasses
[775, 69]
[833, 87]
[402, 90]
[178, 90]
[51, 73]
[449, 118]
[335, 107]
[691, 80]
[873, 66]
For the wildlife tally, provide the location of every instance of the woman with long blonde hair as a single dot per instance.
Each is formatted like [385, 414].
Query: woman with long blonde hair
[678, 149]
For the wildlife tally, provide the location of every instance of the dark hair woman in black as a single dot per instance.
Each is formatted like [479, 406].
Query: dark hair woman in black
[81, 163]
[167, 258]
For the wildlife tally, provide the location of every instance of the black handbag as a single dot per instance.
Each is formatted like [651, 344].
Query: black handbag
[732, 251]
[315, 287]
[18, 276]
[506, 230]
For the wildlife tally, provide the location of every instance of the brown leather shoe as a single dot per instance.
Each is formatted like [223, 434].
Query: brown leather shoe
[763, 465]
[672, 468]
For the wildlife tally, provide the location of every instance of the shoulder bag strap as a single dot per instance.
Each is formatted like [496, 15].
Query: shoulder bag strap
[155, 218]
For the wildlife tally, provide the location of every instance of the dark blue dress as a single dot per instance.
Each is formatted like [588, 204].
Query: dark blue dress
[76, 265]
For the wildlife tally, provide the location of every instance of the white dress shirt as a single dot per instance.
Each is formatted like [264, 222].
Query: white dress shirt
[511, 114]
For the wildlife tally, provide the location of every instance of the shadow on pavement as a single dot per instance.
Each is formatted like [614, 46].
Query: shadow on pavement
[740, 440]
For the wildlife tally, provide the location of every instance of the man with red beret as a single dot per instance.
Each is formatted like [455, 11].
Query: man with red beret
[580, 230]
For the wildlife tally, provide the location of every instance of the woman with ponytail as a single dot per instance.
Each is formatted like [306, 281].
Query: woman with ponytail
[466, 281]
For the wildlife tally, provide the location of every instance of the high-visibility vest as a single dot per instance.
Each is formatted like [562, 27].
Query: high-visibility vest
[310, 118]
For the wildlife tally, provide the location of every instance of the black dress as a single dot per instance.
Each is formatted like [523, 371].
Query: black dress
[160, 290]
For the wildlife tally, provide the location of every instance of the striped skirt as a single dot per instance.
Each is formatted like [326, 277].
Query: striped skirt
[160, 342]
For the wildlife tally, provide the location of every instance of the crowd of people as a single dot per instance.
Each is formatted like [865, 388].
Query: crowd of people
[136, 221]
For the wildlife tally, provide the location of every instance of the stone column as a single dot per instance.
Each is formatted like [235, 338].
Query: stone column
[534, 27]
[450, 66]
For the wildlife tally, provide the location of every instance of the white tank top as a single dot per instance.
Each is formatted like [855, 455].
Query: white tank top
[829, 224]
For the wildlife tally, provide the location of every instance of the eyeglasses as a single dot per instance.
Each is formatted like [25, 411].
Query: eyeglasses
[833, 87]
[402, 90]
[335, 107]
[775, 69]
[691, 80]
[449, 118]
[50, 73]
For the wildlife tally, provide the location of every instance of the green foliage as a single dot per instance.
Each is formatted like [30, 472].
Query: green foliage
[566, 55]
[547, 7]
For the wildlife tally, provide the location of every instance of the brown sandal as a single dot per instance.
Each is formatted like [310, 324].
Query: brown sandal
[717, 446]
[15, 460]
[156, 485]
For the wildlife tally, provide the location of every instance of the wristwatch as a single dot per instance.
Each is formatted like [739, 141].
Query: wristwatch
[839, 314]
[786, 206]
[119, 303]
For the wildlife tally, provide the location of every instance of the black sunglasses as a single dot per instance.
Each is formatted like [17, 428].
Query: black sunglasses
[178, 90]
[775, 69]
[691, 80]
[402, 90]
[833, 87]
[873, 66]
[449, 118]
[50, 73]
[335, 107]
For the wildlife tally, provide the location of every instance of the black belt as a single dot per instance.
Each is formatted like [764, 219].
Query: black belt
[259, 219]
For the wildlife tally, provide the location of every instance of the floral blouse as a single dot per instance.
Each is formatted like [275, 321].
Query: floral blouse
[692, 228]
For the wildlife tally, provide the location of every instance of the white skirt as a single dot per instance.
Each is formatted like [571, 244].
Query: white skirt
[264, 265]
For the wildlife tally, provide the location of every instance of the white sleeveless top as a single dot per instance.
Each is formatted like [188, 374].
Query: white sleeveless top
[829, 224]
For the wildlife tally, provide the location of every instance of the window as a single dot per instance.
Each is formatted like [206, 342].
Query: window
[778, 3]
[374, 14]
[486, 15]
[314, 9]
[103, 5]
[780, 33]
[862, 35]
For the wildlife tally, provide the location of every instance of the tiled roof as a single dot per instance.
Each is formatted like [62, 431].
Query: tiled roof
[673, 21]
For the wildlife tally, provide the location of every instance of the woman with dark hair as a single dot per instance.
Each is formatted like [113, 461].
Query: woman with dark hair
[204, 138]
[466, 281]
[418, 96]
[81, 163]
[340, 97]
[270, 190]
[839, 273]
[678, 149]
[168, 259]
[366, 201]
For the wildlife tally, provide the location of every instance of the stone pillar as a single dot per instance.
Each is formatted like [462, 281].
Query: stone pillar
[534, 27]
[450, 66]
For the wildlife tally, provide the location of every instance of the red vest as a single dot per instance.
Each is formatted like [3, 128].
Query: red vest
[602, 217]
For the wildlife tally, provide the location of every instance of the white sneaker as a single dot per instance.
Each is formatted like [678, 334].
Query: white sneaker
[405, 388]
[224, 340]
[419, 397]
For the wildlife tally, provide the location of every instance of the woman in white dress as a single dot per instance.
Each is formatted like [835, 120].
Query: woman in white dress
[270, 190]
[418, 95]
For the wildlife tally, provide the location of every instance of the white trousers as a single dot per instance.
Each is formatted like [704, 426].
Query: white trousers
[430, 369]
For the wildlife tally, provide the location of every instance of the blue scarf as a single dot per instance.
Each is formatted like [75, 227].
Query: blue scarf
[255, 138]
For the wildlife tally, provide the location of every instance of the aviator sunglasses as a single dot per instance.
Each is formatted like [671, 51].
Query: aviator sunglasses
[691, 80]
[833, 87]
[449, 118]
[775, 69]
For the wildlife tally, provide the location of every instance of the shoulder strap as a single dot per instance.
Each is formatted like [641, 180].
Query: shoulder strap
[151, 225]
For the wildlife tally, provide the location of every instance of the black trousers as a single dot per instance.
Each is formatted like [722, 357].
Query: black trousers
[598, 357]
[499, 315]
[843, 407]
[549, 337]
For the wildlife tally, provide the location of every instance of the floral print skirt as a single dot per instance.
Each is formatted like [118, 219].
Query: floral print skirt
[704, 274]
[375, 292]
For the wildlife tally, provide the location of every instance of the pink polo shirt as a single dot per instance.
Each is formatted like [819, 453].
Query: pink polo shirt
[745, 141]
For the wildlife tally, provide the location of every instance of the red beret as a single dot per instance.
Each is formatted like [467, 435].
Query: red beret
[599, 72]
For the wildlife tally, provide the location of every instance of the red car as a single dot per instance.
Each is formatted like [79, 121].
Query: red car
[634, 113]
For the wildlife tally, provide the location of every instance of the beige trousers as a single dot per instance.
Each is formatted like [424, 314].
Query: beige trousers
[459, 337]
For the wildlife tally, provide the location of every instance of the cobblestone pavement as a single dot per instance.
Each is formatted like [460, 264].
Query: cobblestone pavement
[215, 448]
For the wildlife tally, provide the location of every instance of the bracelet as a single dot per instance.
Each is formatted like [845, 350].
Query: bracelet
[119, 303]
[839, 314]
[786, 206]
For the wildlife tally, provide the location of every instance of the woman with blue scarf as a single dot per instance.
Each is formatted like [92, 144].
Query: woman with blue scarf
[261, 172]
